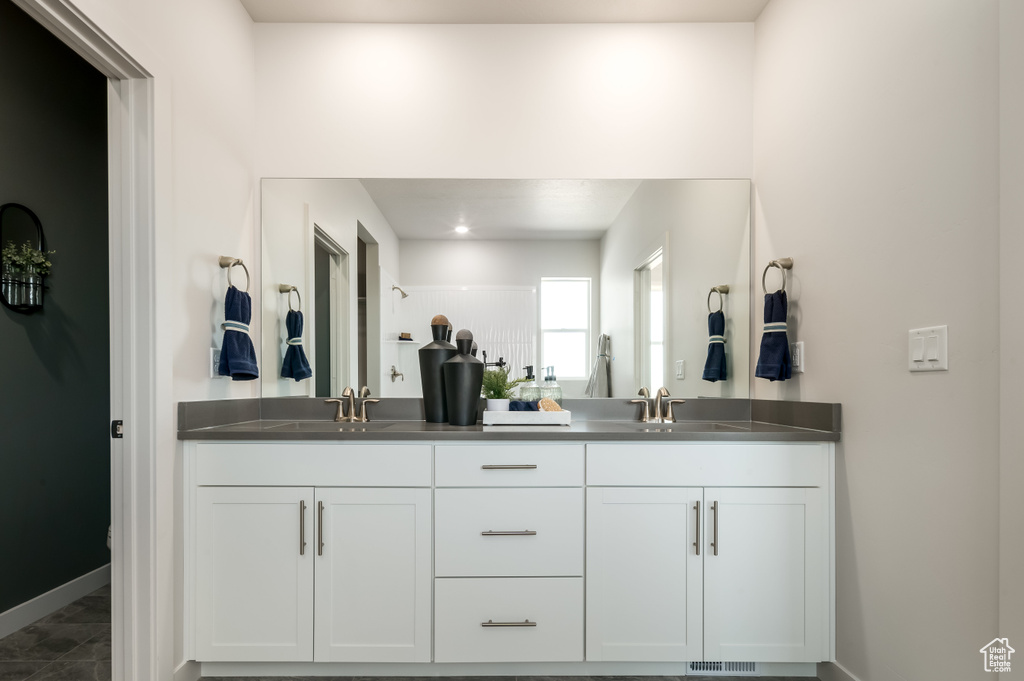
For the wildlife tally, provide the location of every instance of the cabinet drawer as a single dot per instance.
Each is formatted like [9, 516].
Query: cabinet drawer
[462, 515]
[708, 465]
[553, 605]
[525, 465]
[311, 464]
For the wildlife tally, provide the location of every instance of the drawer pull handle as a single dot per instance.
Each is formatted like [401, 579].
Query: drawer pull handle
[509, 533]
[508, 466]
[492, 623]
[320, 528]
[302, 527]
[696, 544]
[714, 539]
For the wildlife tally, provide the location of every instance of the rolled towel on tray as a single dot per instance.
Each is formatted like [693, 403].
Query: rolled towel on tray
[714, 367]
[774, 362]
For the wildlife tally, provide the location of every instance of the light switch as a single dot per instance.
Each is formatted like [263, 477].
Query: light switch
[916, 348]
[796, 356]
[680, 369]
[929, 349]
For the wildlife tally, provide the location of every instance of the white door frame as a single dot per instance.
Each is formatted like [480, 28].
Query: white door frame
[133, 358]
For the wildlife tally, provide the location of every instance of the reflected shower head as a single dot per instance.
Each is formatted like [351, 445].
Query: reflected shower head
[396, 288]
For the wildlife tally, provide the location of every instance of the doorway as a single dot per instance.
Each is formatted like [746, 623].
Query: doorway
[330, 315]
[649, 307]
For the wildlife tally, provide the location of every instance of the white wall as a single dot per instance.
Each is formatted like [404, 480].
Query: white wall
[482, 263]
[877, 169]
[1011, 320]
[496, 101]
[290, 209]
[706, 227]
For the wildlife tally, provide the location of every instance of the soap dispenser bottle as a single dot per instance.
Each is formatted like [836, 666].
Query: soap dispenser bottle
[529, 391]
[551, 388]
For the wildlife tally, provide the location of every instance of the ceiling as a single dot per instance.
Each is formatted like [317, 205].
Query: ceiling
[502, 11]
[501, 209]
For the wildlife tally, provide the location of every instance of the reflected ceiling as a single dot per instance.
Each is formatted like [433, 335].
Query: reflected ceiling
[503, 11]
[500, 209]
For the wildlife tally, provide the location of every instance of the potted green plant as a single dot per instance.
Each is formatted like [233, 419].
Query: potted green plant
[498, 388]
[23, 270]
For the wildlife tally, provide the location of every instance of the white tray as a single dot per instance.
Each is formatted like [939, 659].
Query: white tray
[526, 418]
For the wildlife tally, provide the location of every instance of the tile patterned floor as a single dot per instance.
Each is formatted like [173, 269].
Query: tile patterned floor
[72, 644]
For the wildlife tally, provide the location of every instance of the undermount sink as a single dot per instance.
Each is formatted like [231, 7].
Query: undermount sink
[330, 426]
[677, 427]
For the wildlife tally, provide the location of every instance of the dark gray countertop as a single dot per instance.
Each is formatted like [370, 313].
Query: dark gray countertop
[593, 420]
[579, 431]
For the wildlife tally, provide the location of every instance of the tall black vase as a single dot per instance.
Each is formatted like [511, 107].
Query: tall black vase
[463, 378]
[433, 355]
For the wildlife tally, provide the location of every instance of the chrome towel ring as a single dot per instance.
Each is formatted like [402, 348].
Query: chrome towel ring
[229, 262]
[724, 288]
[288, 288]
[783, 264]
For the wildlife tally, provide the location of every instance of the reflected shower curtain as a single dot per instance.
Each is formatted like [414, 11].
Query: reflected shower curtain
[600, 383]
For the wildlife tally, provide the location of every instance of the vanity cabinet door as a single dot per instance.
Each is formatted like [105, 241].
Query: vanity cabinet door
[643, 574]
[373, 575]
[254, 574]
[766, 590]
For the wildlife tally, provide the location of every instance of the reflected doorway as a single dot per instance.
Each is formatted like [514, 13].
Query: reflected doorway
[330, 315]
[649, 291]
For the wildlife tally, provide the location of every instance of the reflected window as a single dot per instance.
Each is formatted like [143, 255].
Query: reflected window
[565, 325]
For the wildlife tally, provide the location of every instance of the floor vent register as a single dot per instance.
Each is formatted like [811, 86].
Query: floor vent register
[724, 668]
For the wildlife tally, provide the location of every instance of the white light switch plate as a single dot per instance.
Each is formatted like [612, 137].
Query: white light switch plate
[928, 349]
[214, 362]
[680, 369]
[796, 355]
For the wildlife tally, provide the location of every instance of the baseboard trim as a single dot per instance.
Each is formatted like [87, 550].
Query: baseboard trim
[188, 671]
[28, 612]
[833, 671]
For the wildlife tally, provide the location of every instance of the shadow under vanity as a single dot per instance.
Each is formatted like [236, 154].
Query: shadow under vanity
[608, 547]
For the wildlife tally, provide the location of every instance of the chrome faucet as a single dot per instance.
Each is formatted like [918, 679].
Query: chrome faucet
[658, 411]
[346, 394]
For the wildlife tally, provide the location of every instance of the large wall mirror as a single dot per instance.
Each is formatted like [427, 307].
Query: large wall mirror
[544, 272]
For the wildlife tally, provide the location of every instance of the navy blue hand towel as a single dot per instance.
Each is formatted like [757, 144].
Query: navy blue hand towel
[237, 355]
[295, 364]
[518, 405]
[714, 367]
[774, 362]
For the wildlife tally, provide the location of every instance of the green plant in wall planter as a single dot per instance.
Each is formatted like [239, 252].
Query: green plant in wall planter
[498, 388]
[23, 269]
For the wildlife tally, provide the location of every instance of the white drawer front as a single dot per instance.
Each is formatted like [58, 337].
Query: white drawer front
[707, 464]
[462, 515]
[313, 464]
[522, 465]
[555, 605]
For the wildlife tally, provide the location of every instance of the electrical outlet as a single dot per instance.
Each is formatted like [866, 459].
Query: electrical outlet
[680, 369]
[214, 362]
[796, 353]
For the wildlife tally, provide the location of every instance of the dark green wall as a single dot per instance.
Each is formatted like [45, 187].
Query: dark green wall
[54, 364]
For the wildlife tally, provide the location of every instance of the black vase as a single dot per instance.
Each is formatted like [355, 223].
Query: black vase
[463, 378]
[433, 355]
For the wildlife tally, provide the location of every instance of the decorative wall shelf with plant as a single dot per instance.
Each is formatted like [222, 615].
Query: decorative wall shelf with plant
[22, 266]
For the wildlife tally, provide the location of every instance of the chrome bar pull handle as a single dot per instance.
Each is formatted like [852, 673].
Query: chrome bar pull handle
[508, 467]
[302, 527]
[714, 539]
[320, 528]
[492, 623]
[509, 533]
[696, 544]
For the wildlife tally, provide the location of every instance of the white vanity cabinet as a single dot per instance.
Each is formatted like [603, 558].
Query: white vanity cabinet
[684, 564]
[337, 570]
[508, 553]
